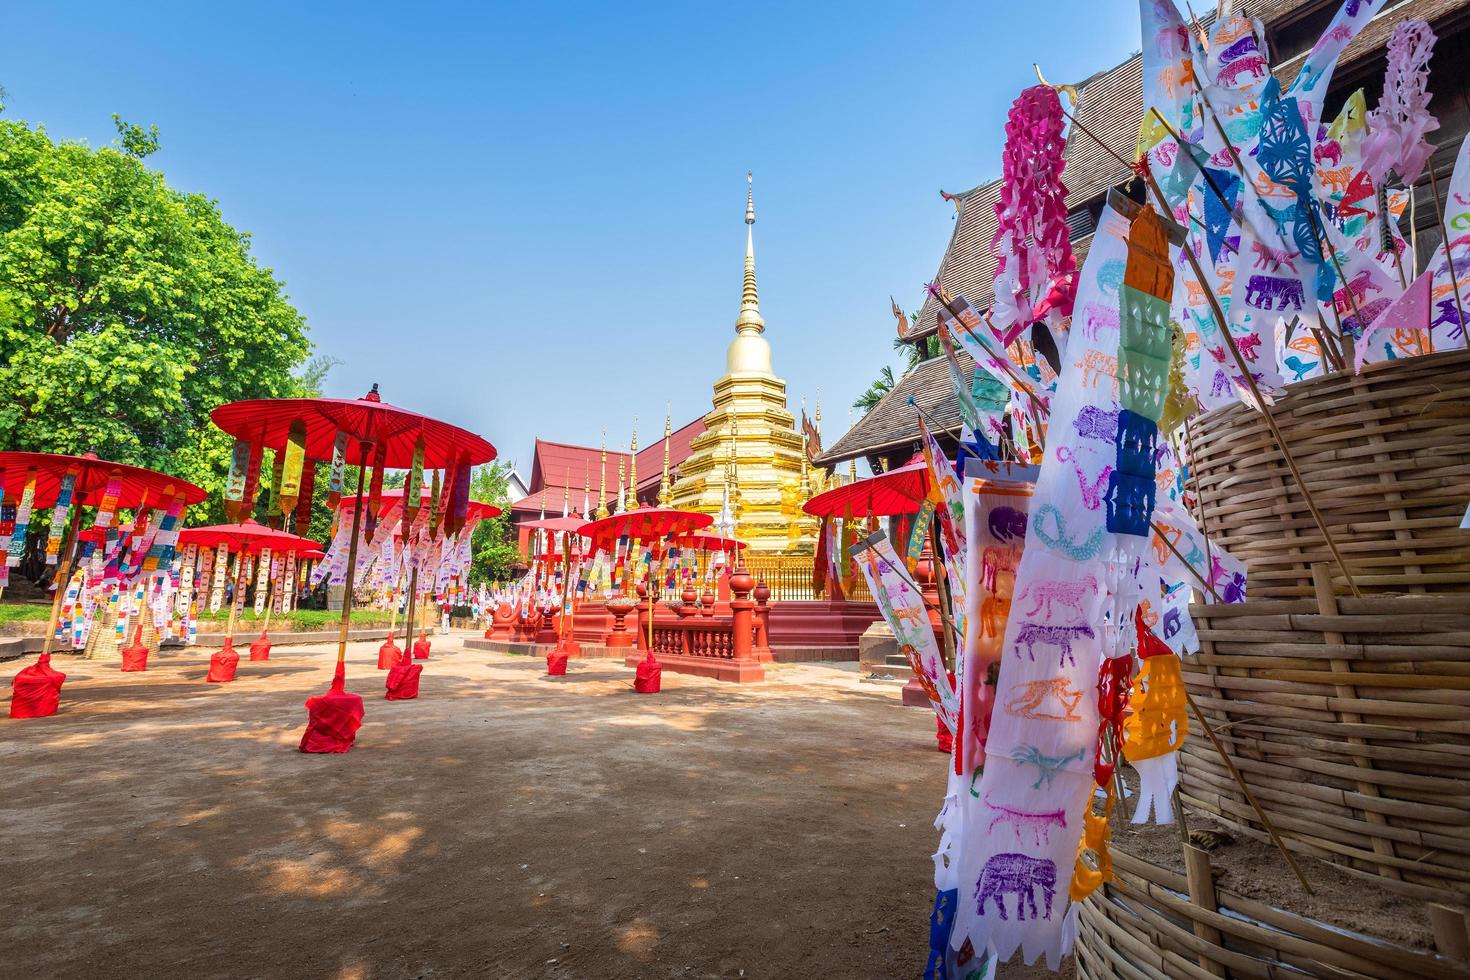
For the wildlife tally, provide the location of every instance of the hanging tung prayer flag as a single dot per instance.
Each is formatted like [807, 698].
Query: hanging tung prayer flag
[288, 488]
[339, 465]
[235, 483]
[22, 520]
[58, 517]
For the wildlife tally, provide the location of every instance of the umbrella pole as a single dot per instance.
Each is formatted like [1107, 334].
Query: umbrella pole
[351, 563]
[238, 600]
[62, 582]
[413, 590]
[393, 610]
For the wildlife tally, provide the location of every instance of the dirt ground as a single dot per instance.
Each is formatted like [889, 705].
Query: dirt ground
[505, 824]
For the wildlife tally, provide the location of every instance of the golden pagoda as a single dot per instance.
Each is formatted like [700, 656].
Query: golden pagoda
[750, 442]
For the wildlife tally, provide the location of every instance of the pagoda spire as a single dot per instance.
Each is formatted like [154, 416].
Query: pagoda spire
[602, 481]
[749, 321]
[665, 491]
[566, 493]
[586, 491]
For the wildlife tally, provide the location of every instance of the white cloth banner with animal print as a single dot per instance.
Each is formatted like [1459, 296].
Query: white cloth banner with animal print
[1038, 772]
[901, 602]
[996, 498]
[1451, 294]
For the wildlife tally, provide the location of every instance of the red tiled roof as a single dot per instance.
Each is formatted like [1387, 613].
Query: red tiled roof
[556, 466]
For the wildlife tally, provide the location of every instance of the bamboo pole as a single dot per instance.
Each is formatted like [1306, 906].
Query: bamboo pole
[69, 548]
[352, 557]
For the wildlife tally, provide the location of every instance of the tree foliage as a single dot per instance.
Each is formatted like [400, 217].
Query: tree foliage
[129, 309]
[493, 545]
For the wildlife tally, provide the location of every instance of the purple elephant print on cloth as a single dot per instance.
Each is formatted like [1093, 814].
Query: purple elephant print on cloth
[1006, 523]
[1274, 292]
[1019, 875]
[1060, 637]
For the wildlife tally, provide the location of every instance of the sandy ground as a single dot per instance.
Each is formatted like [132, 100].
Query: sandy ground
[505, 824]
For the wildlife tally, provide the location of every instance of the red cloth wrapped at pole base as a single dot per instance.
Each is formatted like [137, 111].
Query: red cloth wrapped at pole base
[421, 647]
[223, 663]
[648, 678]
[389, 654]
[135, 657]
[37, 690]
[261, 648]
[333, 718]
[403, 680]
[556, 664]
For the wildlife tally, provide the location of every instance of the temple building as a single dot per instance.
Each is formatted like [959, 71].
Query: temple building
[749, 466]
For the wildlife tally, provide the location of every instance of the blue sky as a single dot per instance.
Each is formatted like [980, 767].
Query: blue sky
[526, 217]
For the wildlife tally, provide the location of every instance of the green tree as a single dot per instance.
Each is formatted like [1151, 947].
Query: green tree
[129, 309]
[493, 545]
[876, 390]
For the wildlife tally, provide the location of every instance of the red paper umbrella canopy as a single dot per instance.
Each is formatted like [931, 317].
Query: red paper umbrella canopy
[315, 554]
[136, 484]
[899, 491]
[268, 421]
[645, 524]
[711, 542]
[560, 525]
[249, 536]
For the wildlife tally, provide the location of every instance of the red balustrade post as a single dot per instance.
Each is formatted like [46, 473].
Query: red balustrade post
[762, 649]
[740, 609]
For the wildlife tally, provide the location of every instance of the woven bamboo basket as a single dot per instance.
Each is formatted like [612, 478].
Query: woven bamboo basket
[1151, 923]
[102, 642]
[1350, 721]
[1386, 455]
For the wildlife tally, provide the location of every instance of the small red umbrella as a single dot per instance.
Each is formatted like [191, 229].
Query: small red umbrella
[135, 484]
[556, 660]
[899, 491]
[37, 688]
[245, 538]
[646, 524]
[389, 654]
[377, 434]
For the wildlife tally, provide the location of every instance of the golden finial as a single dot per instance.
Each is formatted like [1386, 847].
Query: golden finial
[749, 320]
[602, 481]
[566, 494]
[586, 489]
[622, 486]
[633, 469]
[665, 491]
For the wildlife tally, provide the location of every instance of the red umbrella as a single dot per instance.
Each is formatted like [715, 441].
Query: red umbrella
[135, 484]
[559, 525]
[316, 554]
[368, 422]
[644, 524]
[248, 535]
[377, 434]
[711, 542]
[38, 687]
[899, 491]
[247, 538]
